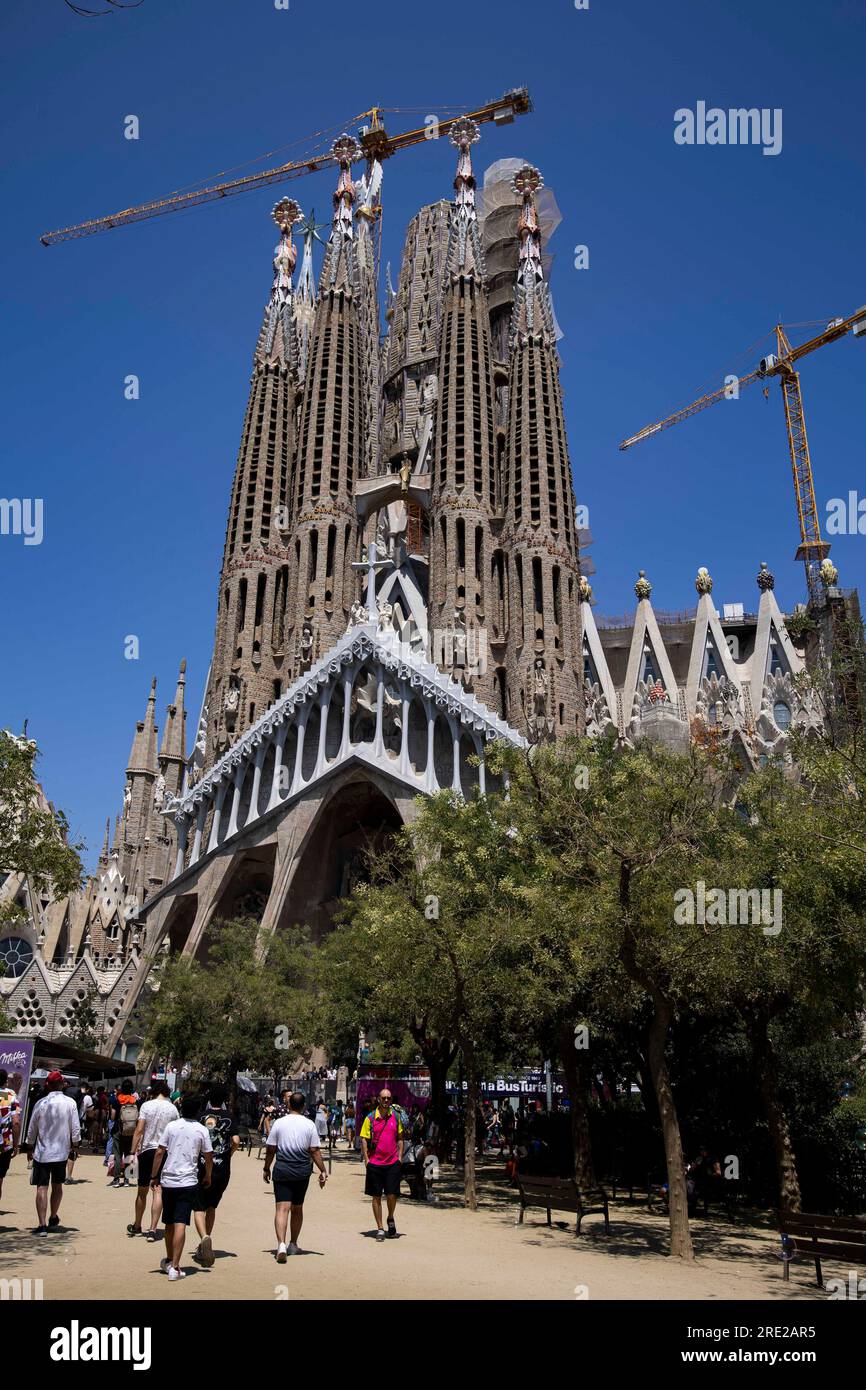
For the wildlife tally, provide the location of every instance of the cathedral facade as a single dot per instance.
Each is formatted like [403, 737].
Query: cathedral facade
[404, 581]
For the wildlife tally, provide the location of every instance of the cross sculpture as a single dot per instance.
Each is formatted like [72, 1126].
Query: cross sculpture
[371, 564]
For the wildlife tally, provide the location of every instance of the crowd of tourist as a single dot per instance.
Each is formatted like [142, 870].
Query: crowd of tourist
[176, 1151]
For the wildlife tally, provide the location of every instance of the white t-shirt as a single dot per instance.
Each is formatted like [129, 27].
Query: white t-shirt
[86, 1104]
[54, 1127]
[293, 1136]
[185, 1141]
[156, 1115]
[322, 1123]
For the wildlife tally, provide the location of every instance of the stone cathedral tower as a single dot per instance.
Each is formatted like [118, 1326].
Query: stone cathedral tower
[544, 635]
[252, 646]
[464, 558]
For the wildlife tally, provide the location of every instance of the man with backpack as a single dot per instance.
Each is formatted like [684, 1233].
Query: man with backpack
[382, 1135]
[124, 1116]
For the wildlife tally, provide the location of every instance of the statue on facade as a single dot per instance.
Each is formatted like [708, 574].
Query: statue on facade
[159, 793]
[305, 649]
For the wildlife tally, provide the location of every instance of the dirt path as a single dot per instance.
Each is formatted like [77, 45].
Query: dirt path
[444, 1252]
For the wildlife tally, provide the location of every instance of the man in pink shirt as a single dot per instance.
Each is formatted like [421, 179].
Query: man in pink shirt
[382, 1149]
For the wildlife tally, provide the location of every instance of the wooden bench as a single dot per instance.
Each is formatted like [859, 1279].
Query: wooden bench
[831, 1237]
[561, 1194]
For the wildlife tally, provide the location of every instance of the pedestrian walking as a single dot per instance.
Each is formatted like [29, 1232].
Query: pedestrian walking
[176, 1169]
[155, 1114]
[382, 1135]
[224, 1134]
[293, 1147]
[53, 1134]
[323, 1124]
[124, 1118]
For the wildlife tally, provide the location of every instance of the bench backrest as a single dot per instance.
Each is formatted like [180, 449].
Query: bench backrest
[841, 1236]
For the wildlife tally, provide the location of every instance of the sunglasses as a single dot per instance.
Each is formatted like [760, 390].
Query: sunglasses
[386, 1100]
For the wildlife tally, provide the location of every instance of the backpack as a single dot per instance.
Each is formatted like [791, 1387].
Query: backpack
[128, 1119]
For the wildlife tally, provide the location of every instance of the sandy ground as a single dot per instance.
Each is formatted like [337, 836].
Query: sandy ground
[444, 1251]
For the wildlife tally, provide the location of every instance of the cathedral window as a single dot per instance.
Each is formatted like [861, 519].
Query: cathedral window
[782, 715]
[16, 954]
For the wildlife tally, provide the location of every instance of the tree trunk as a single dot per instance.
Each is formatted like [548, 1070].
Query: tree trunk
[767, 1069]
[438, 1053]
[678, 1202]
[576, 1068]
[470, 1195]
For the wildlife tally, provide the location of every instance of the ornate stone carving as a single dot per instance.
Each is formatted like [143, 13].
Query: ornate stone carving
[598, 715]
[703, 582]
[643, 588]
[828, 573]
[766, 580]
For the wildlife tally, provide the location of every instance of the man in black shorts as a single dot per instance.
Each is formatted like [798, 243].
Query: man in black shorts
[176, 1167]
[53, 1135]
[222, 1127]
[154, 1115]
[294, 1142]
[382, 1135]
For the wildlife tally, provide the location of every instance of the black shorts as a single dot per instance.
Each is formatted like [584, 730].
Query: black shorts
[383, 1179]
[208, 1198]
[292, 1190]
[178, 1204]
[5, 1160]
[45, 1173]
[145, 1167]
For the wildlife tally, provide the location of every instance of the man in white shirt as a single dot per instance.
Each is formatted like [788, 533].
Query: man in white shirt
[54, 1133]
[176, 1166]
[294, 1142]
[153, 1117]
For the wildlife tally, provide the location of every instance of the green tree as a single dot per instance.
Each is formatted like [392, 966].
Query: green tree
[33, 839]
[437, 941]
[244, 1008]
[83, 1027]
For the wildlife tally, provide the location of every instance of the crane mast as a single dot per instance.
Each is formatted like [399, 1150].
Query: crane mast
[812, 548]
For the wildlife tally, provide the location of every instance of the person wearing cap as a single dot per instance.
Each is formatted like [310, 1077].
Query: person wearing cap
[53, 1134]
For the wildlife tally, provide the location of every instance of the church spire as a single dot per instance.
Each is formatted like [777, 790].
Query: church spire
[465, 253]
[532, 309]
[332, 439]
[465, 462]
[305, 294]
[142, 757]
[543, 660]
[247, 671]
[339, 270]
[172, 754]
[278, 338]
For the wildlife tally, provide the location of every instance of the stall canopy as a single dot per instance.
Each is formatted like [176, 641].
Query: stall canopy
[64, 1056]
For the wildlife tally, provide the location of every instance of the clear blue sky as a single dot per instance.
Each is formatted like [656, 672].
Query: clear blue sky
[694, 253]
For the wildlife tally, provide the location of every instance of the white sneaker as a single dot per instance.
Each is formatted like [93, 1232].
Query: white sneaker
[281, 1253]
[380, 1235]
[176, 1273]
[293, 1248]
[165, 1265]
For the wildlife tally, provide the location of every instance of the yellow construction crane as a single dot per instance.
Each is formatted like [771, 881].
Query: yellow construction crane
[812, 548]
[374, 140]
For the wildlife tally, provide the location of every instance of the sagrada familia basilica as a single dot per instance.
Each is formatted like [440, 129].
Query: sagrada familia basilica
[404, 581]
